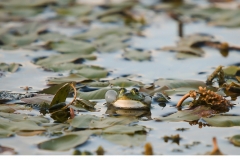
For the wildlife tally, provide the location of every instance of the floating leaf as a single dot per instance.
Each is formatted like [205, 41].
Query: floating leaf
[61, 94]
[137, 55]
[63, 58]
[185, 49]
[5, 133]
[66, 142]
[71, 78]
[92, 72]
[97, 94]
[22, 117]
[84, 104]
[29, 133]
[122, 129]
[231, 70]
[23, 40]
[110, 121]
[235, 140]
[79, 10]
[83, 121]
[13, 67]
[10, 108]
[223, 121]
[53, 89]
[126, 140]
[71, 46]
[38, 99]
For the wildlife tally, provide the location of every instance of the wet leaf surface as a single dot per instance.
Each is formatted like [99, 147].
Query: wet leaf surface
[126, 140]
[235, 140]
[66, 142]
[136, 55]
[122, 129]
[13, 67]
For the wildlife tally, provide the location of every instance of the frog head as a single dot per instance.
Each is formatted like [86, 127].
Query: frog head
[132, 99]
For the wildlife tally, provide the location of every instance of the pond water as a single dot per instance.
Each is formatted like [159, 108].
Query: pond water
[161, 32]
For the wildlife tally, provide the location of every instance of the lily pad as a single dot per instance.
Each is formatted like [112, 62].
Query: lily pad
[223, 121]
[71, 46]
[235, 140]
[38, 99]
[231, 70]
[137, 55]
[66, 142]
[63, 58]
[122, 129]
[10, 108]
[83, 121]
[71, 78]
[110, 121]
[5, 133]
[92, 72]
[22, 117]
[12, 67]
[126, 140]
[97, 94]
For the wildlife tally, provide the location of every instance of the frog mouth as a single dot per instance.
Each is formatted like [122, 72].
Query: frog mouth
[129, 104]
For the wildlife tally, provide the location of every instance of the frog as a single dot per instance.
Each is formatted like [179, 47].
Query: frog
[132, 99]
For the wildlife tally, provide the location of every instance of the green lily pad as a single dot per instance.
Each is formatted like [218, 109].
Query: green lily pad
[63, 58]
[177, 83]
[38, 99]
[223, 121]
[71, 78]
[57, 128]
[137, 55]
[72, 46]
[5, 134]
[97, 94]
[10, 108]
[185, 49]
[83, 121]
[53, 37]
[110, 121]
[92, 72]
[122, 129]
[22, 117]
[231, 70]
[235, 140]
[63, 66]
[26, 125]
[61, 94]
[26, 3]
[79, 10]
[126, 140]
[12, 67]
[124, 82]
[83, 104]
[52, 89]
[66, 142]
[8, 39]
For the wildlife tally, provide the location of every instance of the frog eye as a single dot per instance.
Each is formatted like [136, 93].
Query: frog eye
[110, 96]
[122, 91]
[147, 99]
[134, 91]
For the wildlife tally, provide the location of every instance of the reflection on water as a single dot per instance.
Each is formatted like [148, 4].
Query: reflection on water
[142, 114]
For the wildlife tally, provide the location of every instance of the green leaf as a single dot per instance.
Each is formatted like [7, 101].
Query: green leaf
[22, 117]
[186, 49]
[72, 46]
[23, 40]
[5, 133]
[12, 67]
[92, 72]
[10, 108]
[66, 142]
[223, 121]
[52, 89]
[137, 55]
[61, 94]
[38, 99]
[63, 58]
[122, 129]
[83, 121]
[110, 121]
[231, 70]
[84, 104]
[177, 83]
[97, 94]
[126, 140]
[71, 78]
[235, 140]
[79, 10]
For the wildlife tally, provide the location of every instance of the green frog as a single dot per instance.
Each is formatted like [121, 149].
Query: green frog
[132, 99]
